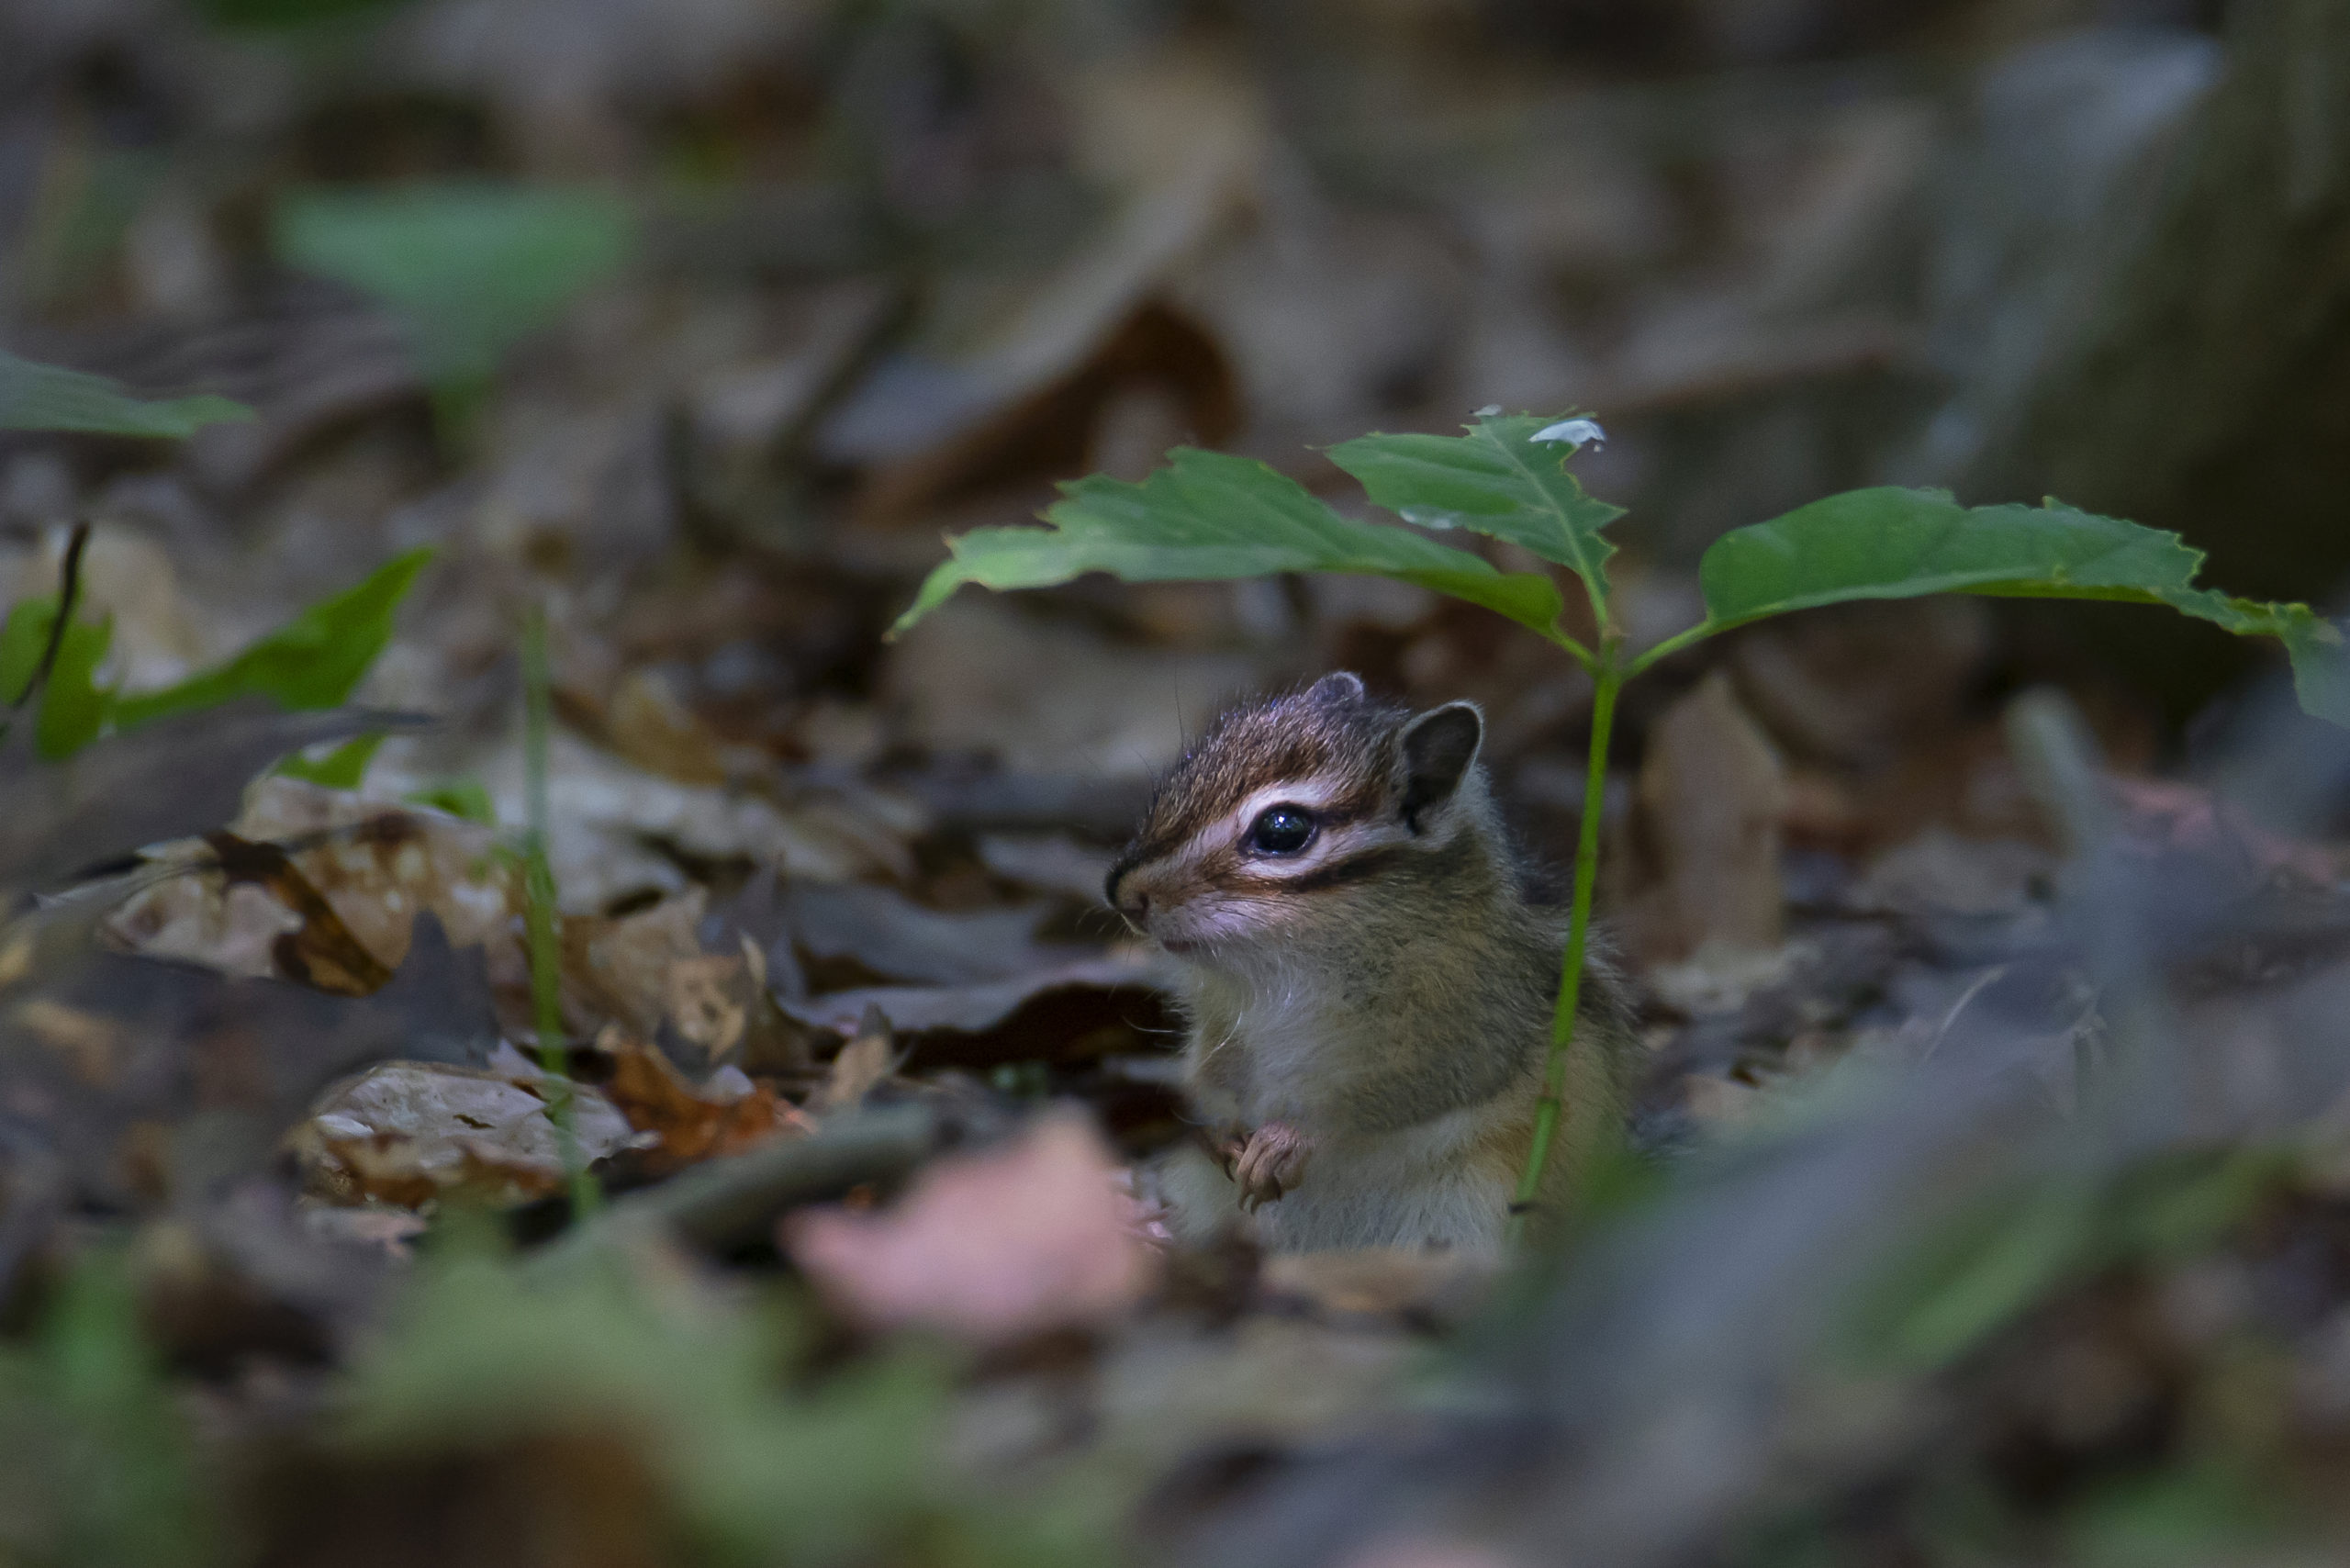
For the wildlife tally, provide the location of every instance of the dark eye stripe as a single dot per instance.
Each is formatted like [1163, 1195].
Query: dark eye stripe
[1331, 874]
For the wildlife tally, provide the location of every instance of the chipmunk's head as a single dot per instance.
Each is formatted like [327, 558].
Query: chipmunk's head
[1285, 816]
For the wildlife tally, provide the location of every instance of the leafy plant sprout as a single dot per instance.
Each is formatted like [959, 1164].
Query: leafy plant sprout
[1210, 515]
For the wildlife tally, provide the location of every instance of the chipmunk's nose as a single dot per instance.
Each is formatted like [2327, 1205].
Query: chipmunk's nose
[1126, 893]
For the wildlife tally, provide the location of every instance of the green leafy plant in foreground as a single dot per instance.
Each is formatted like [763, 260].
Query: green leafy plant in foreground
[1210, 515]
[313, 661]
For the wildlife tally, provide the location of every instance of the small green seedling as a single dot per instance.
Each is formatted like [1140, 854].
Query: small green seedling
[313, 661]
[1210, 515]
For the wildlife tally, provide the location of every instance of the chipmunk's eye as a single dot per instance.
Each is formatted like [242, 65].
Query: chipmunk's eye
[1280, 830]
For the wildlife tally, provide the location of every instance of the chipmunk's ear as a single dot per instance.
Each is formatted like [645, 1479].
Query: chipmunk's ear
[1338, 686]
[1436, 749]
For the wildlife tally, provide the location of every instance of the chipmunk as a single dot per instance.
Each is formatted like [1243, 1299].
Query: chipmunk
[1368, 989]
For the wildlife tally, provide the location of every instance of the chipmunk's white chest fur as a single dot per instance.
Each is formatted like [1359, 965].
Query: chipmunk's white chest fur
[1277, 1046]
[1417, 1186]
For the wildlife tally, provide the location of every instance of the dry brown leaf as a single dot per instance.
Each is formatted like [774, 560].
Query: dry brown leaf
[327, 884]
[993, 1246]
[180, 774]
[1061, 427]
[321, 952]
[620, 967]
[691, 1125]
[380, 865]
[863, 1062]
[407, 1132]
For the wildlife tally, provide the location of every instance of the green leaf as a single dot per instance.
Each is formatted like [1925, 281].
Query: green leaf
[1211, 515]
[1898, 543]
[2321, 664]
[34, 397]
[21, 642]
[312, 661]
[73, 708]
[470, 268]
[1498, 480]
[461, 797]
[344, 768]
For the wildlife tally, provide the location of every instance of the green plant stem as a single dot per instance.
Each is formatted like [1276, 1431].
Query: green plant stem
[1673, 645]
[541, 920]
[1576, 650]
[1593, 1107]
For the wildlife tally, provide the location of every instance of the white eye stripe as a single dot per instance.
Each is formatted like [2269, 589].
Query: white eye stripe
[1313, 794]
[1314, 791]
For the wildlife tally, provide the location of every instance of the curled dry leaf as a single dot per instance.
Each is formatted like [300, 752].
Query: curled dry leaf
[324, 886]
[380, 865]
[408, 1132]
[691, 1125]
[863, 1062]
[321, 952]
[1033, 1235]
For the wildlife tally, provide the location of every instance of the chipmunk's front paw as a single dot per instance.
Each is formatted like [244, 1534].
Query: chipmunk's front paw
[1270, 1164]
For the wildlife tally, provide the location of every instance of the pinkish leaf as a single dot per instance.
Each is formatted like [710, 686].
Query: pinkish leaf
[1033, 1235]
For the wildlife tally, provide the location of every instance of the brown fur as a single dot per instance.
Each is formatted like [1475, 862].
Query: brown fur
[1288, 737]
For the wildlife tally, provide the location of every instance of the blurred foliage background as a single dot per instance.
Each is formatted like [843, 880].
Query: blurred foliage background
[697, 320]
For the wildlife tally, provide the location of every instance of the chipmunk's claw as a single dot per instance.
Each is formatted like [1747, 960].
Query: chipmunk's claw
[1270, 1164]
